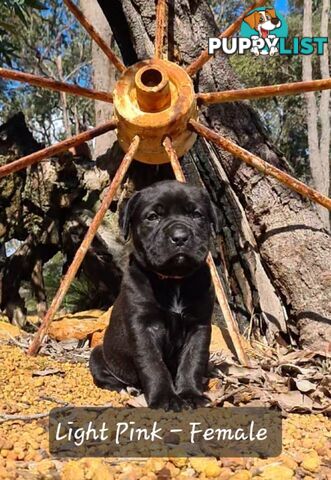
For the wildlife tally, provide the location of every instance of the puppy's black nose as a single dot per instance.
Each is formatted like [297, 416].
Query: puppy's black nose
[275, 21]
[179, 236]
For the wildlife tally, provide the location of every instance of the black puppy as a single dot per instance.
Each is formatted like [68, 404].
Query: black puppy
[159, 333]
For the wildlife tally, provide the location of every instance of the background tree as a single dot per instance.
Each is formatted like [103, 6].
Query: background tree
[49, 43]
[103, 73]
[289, 122]
[318, 113]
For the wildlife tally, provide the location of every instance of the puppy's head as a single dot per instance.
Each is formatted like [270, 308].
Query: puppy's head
[170, 224]
[263, 21]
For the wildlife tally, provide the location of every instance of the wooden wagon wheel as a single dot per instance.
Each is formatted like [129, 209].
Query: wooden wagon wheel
[156, 118]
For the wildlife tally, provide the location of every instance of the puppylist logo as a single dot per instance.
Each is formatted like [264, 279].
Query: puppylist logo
[264, 31]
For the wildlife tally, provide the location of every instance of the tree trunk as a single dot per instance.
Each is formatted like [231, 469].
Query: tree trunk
[63, 97]
[103, 74]
[325, 106]
[318, 146]
[263, 221]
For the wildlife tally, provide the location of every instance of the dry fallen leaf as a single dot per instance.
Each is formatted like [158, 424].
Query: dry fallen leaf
[138, 402]
[293, 401]
[305, 385]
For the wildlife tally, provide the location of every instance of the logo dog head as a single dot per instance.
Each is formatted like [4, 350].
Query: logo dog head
[263, 21]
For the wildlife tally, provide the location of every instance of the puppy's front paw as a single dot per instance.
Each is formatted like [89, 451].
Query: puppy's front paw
[194, 399]
[168, 402]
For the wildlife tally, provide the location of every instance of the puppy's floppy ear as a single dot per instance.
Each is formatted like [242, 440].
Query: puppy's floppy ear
[252, 20]
[126, 212]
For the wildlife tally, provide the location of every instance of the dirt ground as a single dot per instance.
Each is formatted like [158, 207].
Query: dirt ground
[30, 387]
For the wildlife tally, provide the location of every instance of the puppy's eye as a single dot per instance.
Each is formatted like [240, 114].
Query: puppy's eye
[261, 19]
[196, 214]
[268, 17]
[152, 216]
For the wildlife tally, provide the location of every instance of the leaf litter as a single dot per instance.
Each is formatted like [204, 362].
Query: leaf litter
[296, 382]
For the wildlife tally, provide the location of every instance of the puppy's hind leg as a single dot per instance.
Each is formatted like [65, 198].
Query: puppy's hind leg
[102, 376]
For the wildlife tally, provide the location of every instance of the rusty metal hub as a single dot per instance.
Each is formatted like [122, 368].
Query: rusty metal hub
[154, 99]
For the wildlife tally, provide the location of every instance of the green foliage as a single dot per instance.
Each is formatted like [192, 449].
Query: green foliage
[81, 294]
[47, 36]
[227, 11]
[20, 10]
[285, 117]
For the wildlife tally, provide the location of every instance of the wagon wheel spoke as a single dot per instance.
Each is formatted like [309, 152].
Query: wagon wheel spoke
[86, 243]
[40, 155]
[95, 36]
[161, 20]
[261, 165]
[219, 290]
[263, 92]
[56, 85]
[203, 58]
[173, 157]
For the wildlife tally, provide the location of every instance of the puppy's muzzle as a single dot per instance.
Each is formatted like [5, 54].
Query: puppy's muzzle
[179, 234]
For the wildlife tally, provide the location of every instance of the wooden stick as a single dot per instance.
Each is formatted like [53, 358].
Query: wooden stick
[95, 36]
[261, 165]
[24, 418]
[40, 155]
[81, 252]
[161, 18]
[203, 58]
[55, 85]
[172, 154]
[264, 92]
[220, 293]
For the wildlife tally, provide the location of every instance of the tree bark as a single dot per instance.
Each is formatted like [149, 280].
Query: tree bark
[318, 145]
[103, 74]
[294, 248]
[325, 106]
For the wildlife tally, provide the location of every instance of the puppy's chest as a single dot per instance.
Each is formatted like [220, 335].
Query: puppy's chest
[174, 302]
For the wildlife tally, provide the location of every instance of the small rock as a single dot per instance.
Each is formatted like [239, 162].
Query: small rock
[277, 472]
[234, 462]
[288, 462]
[242, 475]
[307, 443]
[311, 462]
[3, 472]
[72, 470]
[7, 445]
[207, 466]
[97, 338]
[79, 326]
[164, 474]
[225, 474]
[174, 471]
[154, 465]
[179, 462]
[39, 382]
[7, 330]
[102, 472]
